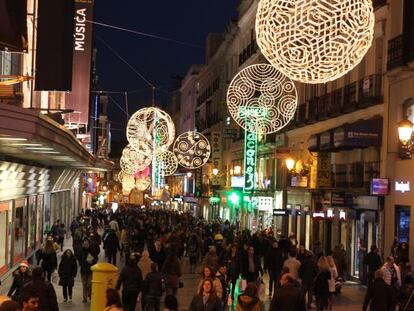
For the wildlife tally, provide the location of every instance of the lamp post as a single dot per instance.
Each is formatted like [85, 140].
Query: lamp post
[405, 132]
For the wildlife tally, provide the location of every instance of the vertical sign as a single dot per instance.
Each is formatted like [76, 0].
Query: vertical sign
[250, 155]
[78, 99]
[216, 155]
[324, 170]
[198, 182]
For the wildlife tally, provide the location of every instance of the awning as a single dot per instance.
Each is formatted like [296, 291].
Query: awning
[360, 134]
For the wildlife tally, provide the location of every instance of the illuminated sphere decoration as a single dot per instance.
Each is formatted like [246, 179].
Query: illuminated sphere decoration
[261, 99]
[138, 160]
[192, 149]
[167, 163]
[142, 184]
[150, 128]
[314, 41]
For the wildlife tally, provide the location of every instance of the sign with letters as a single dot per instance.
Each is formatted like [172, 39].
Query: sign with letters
[402, 186]
[216, 155]
[250, 155]
[324, 170]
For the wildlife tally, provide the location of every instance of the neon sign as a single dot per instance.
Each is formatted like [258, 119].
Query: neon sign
[250, 155]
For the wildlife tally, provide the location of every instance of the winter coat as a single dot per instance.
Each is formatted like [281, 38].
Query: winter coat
[321, 286]
[244, 264]
[68, 269]
[19, 280]
[145, 264]
[248, 303]
[48, 260]
[172, 271]
[308, 270]
[154, 284]
[130, 278]
[158, 257]
[213, 304]
[87, 258]
[193, 249]
[45, 292]
[373, 262]
[379, 296]
[340, 262]
[233, 266]
[274, 259]
[111, 243]
[288, 298]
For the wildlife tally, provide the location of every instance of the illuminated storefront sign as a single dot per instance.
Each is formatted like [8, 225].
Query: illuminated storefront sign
[250, 155]
[402, 186]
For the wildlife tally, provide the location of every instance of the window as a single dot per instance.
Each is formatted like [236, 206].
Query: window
[31, 225]
[402, 223]
[4, 210]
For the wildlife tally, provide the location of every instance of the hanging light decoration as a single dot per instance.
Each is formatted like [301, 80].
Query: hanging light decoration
[150, 128]
[133, 161]
[261, 99]
[314, 41]
[167, 163]
[192, 149]
[143, 183]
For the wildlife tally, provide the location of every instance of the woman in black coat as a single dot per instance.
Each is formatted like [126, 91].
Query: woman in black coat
[48, 259]
[20, 277]
[206, 299]
[68, 269]
[321, 285]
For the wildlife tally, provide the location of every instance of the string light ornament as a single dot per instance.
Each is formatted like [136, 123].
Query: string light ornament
[192, 149]
[167, 163]
[152, 129]
[314, 41]
[134, 161]
[261, 99]
[142, 184]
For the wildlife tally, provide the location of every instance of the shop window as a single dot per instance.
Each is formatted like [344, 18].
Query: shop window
[402, 223]
[19, 230]
[31, 225]
[39, 213]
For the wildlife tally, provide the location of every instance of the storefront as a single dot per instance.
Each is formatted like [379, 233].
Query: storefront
[299, 202]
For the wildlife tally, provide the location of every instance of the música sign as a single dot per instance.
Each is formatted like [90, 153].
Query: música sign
[250, 155]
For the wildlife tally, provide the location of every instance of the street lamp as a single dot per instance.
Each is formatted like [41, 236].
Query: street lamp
[290, 163]
[237, 170]
[215, 171]
[189, 174]
[405, 131]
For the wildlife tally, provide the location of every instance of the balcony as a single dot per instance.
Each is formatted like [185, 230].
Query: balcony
[378, 3]
[201, 125]
[247, 52]
[397, 53]
[370, 90]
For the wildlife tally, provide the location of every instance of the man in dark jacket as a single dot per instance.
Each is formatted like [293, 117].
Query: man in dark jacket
[157, 254]
[154, 283]
[288, 297]
[130, 278]
[274, 259]
[87, 258]
[307, 272]
[379, 295]
[111, 246]
[373, 262]
[43, 289]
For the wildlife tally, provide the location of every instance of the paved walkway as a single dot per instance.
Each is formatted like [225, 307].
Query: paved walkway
[349, 300]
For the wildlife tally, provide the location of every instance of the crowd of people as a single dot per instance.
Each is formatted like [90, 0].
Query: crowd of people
[231, 264]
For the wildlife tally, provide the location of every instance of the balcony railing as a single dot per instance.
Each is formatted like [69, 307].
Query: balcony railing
[397, 53]
[247, 52]
[378, 3]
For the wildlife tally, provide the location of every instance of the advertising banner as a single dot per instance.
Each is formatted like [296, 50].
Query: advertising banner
[216, 155]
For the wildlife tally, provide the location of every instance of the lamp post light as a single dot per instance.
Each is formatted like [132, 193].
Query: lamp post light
[215, 171]
[290, 163]
[237, 170]
[189, 174]
[405, 132]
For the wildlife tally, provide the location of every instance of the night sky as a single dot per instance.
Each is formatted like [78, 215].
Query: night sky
[158, 61]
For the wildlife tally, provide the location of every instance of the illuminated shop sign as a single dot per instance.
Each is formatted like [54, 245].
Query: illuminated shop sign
[401, 186]
[318, 215]
[250, 155]
[280, 212]
[342, 215]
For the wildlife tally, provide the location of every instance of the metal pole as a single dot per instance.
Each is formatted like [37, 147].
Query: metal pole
[126, 104]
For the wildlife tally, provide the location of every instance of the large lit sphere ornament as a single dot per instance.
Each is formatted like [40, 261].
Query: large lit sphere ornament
[150, 128]
[142, 184]
[314, 41]
[136, 160]
[167, 163]
[261, 99]
[192, 149]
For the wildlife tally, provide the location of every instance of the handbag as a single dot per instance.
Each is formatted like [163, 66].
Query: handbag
[55, 277]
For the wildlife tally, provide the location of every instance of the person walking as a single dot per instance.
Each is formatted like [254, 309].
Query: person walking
[48, 259]
[373, 261]
[274, 259]
[145, 264]
[334, 275]
[339, 256]
[154, 283]
[43, 289]
[288, 297]
[130, 278]
[233, 268]
[87, 258]
[29, 301]
[379, 295]
[250, 265]
[192, 251]
[21, 276]
[209, 273]
[292, 263]
[321, 285]
[248, 301]
[170, 303]
[392, 276]
[172, 271]
[113, 301]
[111, 246]
[68, 269]
[157, 254]
[308, 271]
[206, 299]
[61, 231]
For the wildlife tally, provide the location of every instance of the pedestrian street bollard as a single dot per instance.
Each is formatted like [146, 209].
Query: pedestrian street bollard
[104, 275]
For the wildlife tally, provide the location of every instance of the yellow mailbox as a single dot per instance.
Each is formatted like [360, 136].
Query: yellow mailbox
[104, 275]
